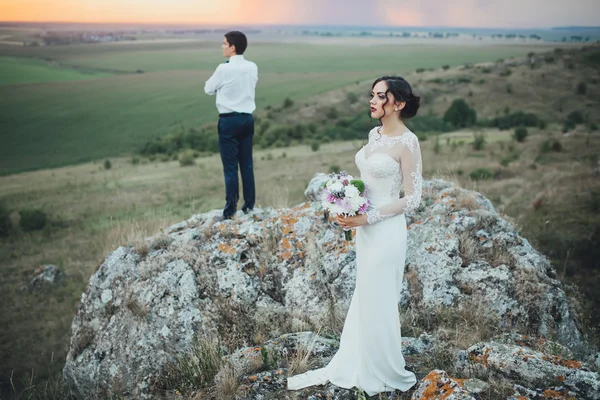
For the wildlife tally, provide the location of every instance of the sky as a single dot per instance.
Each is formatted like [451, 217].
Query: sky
[456, 13]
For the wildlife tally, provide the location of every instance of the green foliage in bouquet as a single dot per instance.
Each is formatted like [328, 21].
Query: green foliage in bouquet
[360, 185]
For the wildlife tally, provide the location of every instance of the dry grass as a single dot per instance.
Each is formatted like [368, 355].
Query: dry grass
[194, 369]
[227, 382]
[456, 328]
[133, 232]
[300, 361]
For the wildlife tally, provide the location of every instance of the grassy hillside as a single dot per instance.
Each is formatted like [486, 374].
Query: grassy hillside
[548, 184]
[54, 123]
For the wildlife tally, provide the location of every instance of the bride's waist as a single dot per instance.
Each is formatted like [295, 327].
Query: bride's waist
[378, 201]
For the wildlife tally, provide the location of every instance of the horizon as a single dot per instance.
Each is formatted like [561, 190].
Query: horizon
[294, 25]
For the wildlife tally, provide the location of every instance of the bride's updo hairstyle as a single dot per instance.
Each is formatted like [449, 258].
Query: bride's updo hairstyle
[401, 91]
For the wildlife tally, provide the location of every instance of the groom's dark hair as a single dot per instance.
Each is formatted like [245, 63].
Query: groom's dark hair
[237, 39]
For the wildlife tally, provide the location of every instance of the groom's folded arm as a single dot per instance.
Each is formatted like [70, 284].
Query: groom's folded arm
[413, 184]
[214, 82]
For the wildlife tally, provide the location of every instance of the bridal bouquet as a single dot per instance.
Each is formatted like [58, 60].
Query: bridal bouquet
[344, 195]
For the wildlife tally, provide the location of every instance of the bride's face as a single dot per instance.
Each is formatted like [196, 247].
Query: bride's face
[379, 107]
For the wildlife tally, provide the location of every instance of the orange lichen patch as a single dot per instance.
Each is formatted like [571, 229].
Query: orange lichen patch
[285, 244]
[482, 238]
[313, 276]
[527, 357]
[453, 217]
[286, 255]
[482, 359]
[253, 378]
[251, 350]
[449, 236]
[542, 341]
[221, 228]
[267, 378]
[438, 390]
[225, 248]
[521, 398]
[279, 372]
[557, 360]
[560, 378]
[557, 394]
[430, 249]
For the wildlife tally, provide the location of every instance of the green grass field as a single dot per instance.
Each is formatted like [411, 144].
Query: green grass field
[54, 123]
[15, 70]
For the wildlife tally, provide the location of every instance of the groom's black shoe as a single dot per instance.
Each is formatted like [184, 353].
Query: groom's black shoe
[247, 210]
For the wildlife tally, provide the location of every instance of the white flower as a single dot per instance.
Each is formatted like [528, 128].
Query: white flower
[336, 187]
[351, 192]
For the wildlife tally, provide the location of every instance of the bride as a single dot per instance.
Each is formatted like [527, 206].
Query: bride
[369, 356]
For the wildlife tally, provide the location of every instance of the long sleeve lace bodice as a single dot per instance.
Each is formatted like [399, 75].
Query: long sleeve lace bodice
[388, 164]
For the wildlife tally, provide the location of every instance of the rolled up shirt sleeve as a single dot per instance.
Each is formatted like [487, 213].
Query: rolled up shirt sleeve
[214, 82]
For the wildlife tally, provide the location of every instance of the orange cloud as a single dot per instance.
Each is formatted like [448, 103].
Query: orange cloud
[141, 11]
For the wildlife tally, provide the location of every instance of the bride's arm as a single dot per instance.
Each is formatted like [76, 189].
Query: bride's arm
[410, 161]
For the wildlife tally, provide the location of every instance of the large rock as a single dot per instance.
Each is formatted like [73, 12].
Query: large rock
[284, 270]
[530, 367]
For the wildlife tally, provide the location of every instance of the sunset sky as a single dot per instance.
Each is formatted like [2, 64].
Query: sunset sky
[457, 13]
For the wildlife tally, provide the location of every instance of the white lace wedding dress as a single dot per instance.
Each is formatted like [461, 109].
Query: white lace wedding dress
[369, 356]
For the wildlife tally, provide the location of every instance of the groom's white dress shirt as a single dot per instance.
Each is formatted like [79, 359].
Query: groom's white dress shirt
[234, 83]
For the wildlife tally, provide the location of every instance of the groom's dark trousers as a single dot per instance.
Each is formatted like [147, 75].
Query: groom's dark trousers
[236, 131]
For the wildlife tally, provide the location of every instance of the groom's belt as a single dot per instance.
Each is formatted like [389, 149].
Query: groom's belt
[232, 114]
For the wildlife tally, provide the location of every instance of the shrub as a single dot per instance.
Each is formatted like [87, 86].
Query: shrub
[460, 115]
[516, 119]
[33, 220]
[419, 70]
[332, 113]
[5, 224]
[576, 117]
[334, 168]
[520, 134]
[551, 145]
[481, 174]
[135, 160]
[508, 159]
[445, 67]
[352, 97]
[436, 146]
[542, 124]
[287, 103]
[186, 158]
[478, 140]
[581, 88]
[509, 88]
[315, 145]
[428, 123]
[107, 164]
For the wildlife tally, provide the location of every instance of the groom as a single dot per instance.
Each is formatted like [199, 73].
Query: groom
[234, 83]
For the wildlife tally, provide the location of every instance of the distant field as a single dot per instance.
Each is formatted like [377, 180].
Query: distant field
[14, 70]
[53, 123]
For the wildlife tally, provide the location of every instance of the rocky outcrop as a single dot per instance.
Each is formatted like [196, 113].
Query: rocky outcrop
[286, 270]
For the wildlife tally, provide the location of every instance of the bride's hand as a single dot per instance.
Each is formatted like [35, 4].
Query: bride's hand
[352, 222]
